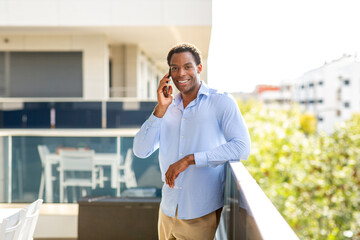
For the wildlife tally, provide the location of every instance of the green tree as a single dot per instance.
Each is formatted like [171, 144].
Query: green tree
[313, 180]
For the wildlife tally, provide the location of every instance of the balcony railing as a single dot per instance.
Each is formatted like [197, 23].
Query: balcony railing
[42, 113]
[28, 173]
[247, 213]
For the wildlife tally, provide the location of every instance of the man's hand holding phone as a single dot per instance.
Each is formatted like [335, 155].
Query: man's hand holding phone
[164, 96]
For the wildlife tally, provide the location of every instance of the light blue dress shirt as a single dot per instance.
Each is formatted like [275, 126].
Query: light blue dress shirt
[212, 128]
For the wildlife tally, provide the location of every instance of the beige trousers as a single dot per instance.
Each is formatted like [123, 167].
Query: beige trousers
[202, 228]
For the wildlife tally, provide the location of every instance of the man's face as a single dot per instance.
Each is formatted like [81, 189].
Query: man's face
[185, 72]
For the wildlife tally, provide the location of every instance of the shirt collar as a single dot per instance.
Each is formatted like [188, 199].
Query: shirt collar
[204, 90]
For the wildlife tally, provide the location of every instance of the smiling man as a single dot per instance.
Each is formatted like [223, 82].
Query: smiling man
[197, 132]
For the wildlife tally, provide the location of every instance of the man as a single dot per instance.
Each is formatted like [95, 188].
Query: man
[196, 132]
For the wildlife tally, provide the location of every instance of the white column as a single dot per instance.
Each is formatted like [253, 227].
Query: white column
[95, 65]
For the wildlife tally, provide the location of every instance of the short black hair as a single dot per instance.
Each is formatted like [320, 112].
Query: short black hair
[185, 47]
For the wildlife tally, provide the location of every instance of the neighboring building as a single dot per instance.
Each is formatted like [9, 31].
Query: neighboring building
[270, 95]
[331, 92]
[243, 96]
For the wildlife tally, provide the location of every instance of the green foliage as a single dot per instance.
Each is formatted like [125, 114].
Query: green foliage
[313, 180]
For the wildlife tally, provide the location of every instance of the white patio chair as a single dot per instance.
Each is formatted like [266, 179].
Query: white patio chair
[30, 221]
[126, 173]
[75, 162]
[11, 226]
[43, 152]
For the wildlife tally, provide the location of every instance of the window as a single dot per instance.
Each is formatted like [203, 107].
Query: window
[347, 82]
[41, 74]
[311, 85]
[311, 101]
[320, 101]
[302, 86]
[320, 119]
[321, 83]
[346, 104]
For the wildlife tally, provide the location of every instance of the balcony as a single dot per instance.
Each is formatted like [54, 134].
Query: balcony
[247, 214]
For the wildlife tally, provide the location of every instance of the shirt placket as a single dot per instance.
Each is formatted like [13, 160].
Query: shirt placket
[186, 114]
[181, 145]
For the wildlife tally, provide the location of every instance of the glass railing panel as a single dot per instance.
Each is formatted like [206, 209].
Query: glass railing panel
[248, 213]
[77, 114]
[34, 177]
[25, 115]
[238, 222]
[4, 169]
[128, 114]
[71, 114]
[55, 113]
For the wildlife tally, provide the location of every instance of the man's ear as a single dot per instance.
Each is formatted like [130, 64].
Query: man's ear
[199, 68]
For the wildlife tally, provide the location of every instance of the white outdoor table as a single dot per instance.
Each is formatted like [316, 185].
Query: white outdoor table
[101, 159]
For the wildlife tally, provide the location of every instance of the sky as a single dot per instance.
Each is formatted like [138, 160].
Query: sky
[266, 42]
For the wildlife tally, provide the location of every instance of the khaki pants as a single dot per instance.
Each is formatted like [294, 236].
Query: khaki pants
[202, 228]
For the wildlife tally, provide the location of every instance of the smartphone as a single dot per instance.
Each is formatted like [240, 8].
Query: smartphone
[166, 91]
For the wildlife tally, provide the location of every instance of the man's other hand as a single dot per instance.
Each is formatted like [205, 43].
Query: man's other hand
[176, 168]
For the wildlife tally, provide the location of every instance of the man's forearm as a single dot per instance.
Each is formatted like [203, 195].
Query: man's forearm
[190, 159]
[160, 111]
[235, 149]
[176, 168]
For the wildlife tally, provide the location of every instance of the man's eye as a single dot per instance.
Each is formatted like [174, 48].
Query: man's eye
[187, 67]
[174, 68]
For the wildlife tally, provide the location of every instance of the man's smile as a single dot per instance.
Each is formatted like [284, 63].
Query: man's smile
[183, 81]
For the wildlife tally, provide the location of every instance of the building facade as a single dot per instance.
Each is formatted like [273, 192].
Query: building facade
[331, 92]
[95, 49]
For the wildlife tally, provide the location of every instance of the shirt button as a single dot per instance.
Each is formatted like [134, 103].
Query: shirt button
[181, 154]
[180, 187]
[182, 136]
[183, 118]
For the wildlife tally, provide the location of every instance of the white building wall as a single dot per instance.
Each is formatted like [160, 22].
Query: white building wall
[105, 12]
[118, 70]
[350, 90]
[146, 81]
[153, 81]
[95, 66]
[134, 74]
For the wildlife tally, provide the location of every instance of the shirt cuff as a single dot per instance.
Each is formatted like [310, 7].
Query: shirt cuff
[154, 121]
[201, 159]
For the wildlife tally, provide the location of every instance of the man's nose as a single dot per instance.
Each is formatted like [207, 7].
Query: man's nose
[181, 71]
